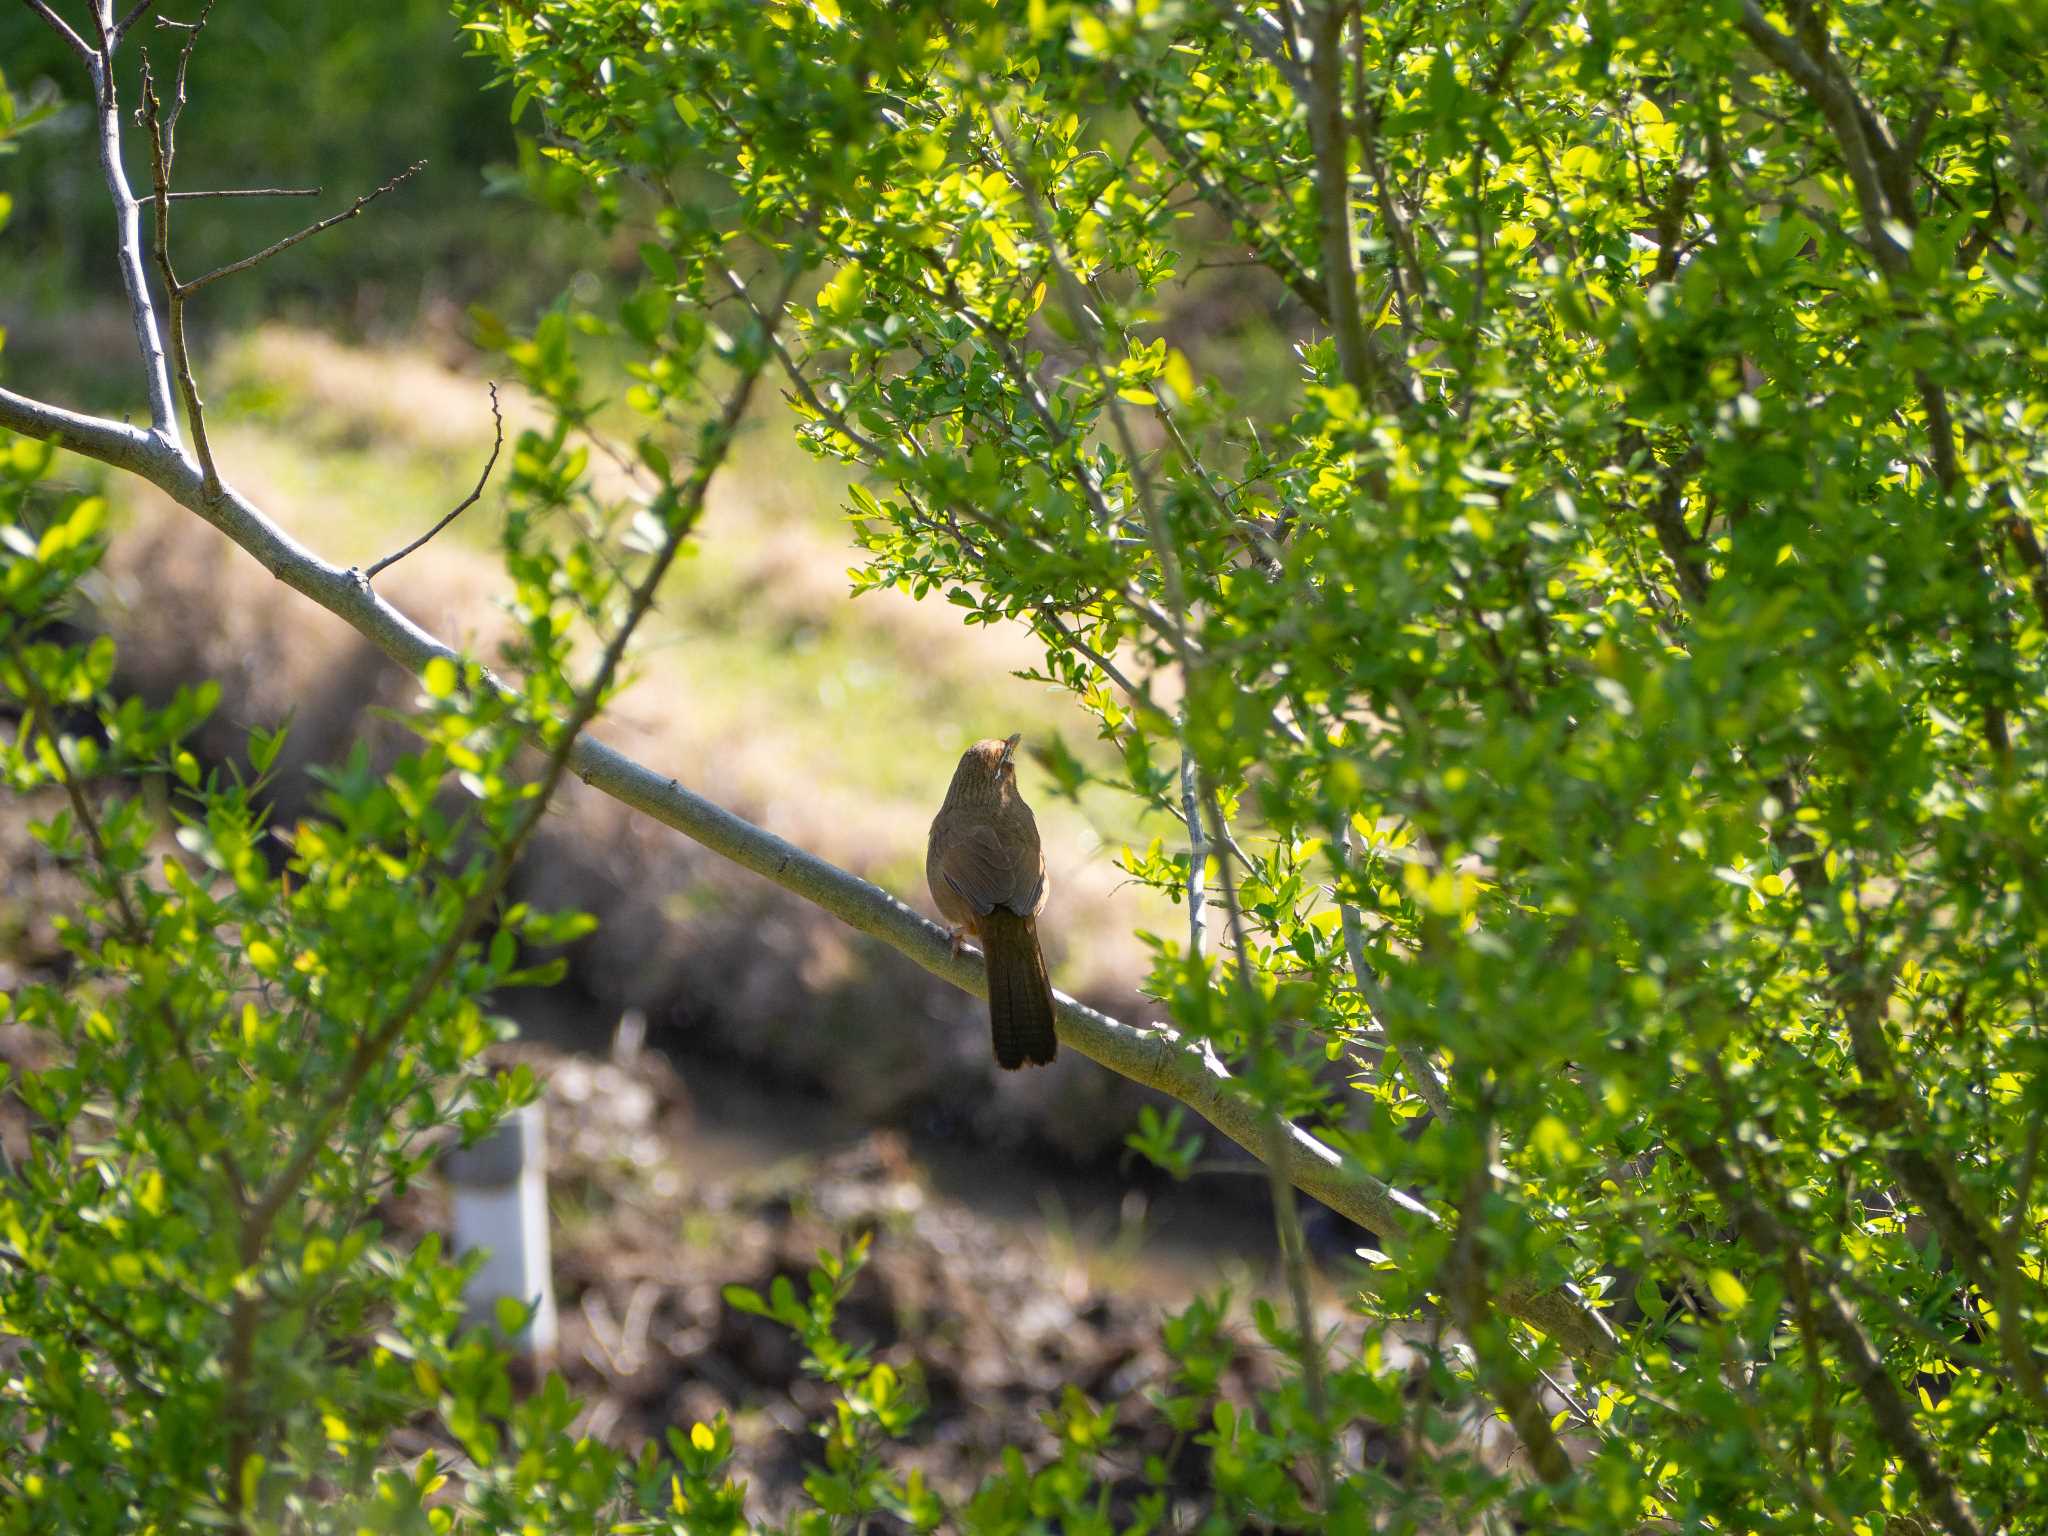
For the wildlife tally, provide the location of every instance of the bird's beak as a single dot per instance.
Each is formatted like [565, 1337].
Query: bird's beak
[1010, 750]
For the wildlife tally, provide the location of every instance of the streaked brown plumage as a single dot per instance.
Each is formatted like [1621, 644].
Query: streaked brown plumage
[987, 874]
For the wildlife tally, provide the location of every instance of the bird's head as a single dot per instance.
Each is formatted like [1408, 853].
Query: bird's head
[988, 770]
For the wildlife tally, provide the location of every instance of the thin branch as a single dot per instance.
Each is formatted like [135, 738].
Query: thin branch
[1264, 244]
[1422, 1072]
[801, 383]
[462, 506]
[1829, 1315]
[1847, 115]
[136, 12]
[128, 248]
[2027, 545]
[1916, 131]
[161, 125]
[178, 197]
[1198, 852]
[1286, 1214]
[350, 212]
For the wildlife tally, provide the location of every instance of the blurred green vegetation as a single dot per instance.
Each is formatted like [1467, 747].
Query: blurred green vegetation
[298, 93]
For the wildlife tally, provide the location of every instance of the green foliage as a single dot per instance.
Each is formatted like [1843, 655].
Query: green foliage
[260, 1035]
[1599, 686]
[1607, 670]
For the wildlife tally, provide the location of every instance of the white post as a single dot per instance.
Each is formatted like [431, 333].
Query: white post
[500, 1199]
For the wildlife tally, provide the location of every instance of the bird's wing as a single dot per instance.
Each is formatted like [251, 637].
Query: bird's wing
[1035, 899]
[979, 868]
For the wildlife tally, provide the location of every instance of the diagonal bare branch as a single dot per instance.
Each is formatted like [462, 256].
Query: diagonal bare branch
[462, 506]
[350, 212]
[136, 12]
[179, 197]
[1851, 121]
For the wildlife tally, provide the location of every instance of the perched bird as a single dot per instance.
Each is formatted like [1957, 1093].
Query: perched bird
[987, 874]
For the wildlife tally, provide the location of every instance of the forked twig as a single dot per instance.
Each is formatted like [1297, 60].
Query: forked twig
[462, 506]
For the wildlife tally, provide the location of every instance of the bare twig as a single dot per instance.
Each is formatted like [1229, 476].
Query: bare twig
[1330, 136]
[462, 506]
[136, 12]
[161, 124]
[350, 212]
[178, 197]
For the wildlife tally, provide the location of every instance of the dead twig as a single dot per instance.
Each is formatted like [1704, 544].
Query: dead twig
[462, 506]
[178, 197]
[350, 212]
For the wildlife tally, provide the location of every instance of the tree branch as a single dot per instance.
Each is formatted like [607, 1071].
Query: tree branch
[1849, 117]
[136, 12]
[1422, 1072]
[462, 506]
[351, 211]
[1327, 132]
[1156, 1058]
[179, 197]
[128, 249]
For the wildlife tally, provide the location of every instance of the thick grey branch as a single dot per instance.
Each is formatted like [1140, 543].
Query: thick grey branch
[128, 248]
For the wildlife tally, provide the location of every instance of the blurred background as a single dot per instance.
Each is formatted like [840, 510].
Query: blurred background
[722, 1056]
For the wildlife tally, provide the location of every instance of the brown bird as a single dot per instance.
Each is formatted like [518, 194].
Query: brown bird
[987, 874]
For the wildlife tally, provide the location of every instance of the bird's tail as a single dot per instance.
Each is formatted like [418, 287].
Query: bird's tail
[1019, 991]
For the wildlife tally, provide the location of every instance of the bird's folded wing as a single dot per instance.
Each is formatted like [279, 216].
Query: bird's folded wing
[977, 865]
